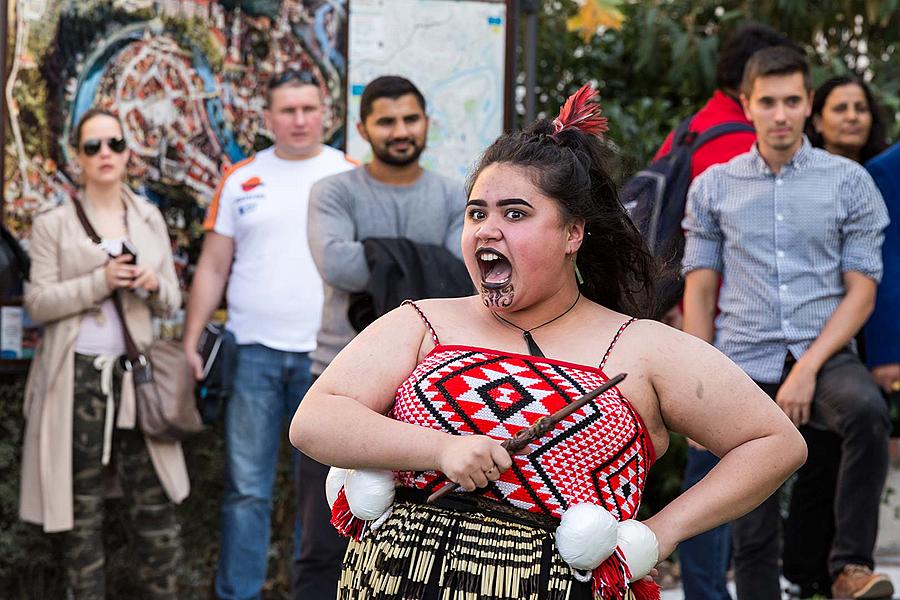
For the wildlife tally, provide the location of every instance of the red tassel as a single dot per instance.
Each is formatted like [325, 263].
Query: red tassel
[343, 520]
[646, 589]
[581, 111]
[610, 579]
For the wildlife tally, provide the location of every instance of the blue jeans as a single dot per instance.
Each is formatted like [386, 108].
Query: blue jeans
[268, 387]
[704, 558]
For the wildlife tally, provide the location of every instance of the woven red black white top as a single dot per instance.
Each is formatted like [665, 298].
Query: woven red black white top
[600, 454]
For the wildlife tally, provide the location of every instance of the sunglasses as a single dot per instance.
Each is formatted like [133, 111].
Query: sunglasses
[92, 147]
[290, 76]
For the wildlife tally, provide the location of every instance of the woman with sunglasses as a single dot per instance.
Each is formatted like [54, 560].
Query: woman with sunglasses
[80, 437]
[427, 393]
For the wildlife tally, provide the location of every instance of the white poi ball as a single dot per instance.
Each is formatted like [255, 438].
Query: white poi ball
[640, 547]
[333, 483]
[369, 492]
[586, 536]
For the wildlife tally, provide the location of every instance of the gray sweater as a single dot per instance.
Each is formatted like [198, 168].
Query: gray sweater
[346, 209]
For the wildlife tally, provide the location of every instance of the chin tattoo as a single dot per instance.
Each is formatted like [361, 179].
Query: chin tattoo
[497, 298]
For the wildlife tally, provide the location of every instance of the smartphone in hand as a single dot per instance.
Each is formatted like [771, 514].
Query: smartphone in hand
[129, 249]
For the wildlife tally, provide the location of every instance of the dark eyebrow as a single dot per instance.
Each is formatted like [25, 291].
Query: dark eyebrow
[514, 201]
[504, 202]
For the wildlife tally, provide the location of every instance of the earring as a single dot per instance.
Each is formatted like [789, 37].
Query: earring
[578, 276]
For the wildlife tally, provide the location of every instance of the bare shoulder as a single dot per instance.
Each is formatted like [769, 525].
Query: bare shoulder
[407, 316]
[678, 366]
[442, 310]
[447, 317]
[657, 342]
[400, 332]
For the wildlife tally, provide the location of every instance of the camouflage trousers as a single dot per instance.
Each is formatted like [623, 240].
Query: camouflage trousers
[155, 530]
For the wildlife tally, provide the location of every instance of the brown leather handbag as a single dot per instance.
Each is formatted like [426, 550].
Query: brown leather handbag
[163, 389]
[163, 382]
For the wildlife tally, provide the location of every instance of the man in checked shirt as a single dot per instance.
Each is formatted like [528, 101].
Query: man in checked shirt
[795, 235]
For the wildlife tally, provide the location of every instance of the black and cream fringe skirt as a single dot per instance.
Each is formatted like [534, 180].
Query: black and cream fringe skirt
[439, 553]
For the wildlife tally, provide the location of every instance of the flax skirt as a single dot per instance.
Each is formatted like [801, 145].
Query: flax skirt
[428, 552]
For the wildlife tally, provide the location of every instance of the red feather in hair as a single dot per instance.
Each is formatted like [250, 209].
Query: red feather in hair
[581, 111]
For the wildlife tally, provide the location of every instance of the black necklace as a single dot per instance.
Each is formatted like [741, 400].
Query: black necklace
[533, 348]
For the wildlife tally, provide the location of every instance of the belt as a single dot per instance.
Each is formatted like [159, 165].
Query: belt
[472, 503]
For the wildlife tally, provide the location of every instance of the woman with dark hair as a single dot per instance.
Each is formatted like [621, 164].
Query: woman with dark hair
[80, 433]
[846, 120]
[429, 392]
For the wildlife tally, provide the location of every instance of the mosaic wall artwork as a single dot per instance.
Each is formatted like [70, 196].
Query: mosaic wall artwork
[187, 77]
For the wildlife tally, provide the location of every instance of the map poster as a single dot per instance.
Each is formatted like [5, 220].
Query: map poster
[187, 78]
[452, 50]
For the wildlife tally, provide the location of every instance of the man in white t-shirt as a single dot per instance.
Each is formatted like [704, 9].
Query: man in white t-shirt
[256, 245]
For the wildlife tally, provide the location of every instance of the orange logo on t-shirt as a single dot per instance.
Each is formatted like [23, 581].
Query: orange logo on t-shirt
[251, 183]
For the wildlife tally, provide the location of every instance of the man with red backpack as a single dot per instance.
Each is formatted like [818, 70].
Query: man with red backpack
[656, 199]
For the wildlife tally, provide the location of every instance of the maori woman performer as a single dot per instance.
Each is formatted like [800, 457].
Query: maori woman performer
[429, 392]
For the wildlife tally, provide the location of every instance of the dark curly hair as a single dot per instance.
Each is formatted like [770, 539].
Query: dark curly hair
[615, 262]
[877, 140]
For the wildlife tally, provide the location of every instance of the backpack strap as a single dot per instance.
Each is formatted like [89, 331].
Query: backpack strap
[681, 137]
[614, 340]
[720, 130]
[434, 336]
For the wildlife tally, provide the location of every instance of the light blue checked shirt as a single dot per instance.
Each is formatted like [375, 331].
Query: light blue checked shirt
[781, 243]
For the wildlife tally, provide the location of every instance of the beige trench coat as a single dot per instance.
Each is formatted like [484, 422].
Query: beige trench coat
[67, 282]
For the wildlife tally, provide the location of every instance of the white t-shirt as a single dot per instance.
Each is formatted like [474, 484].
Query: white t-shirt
[274, 291]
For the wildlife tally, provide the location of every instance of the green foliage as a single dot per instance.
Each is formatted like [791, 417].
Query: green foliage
[660, 66]
[31, 93]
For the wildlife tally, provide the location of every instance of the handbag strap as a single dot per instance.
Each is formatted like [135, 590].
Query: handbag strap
[131, 350]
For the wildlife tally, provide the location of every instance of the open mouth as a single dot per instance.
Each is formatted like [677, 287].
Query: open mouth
[496, 271]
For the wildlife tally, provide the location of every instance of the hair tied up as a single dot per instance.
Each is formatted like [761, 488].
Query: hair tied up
[581, 111]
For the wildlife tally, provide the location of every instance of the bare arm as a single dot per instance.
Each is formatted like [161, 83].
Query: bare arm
[701, 289]
[706, 397]
[700, 293]
[796, 393]
[209, 283]
[341, 420]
